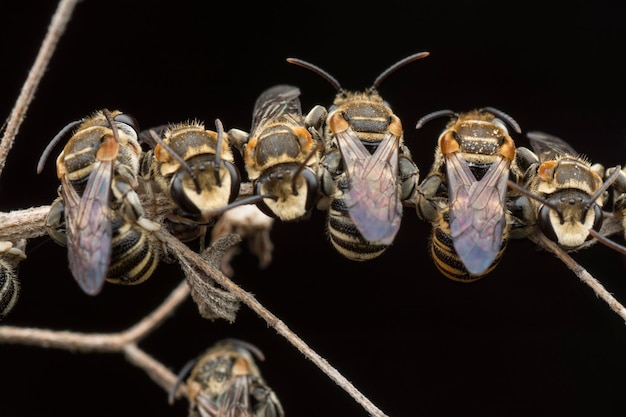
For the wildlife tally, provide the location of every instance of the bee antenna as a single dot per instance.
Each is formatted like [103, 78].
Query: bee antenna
[107, 115]
[178, 158]
[317, 149]
[607, 242]
[54, 142]
[218, 151]
[332, 80]
[430, 116]
[179, 379]
[397, 65]
[509, 119]
[532, 195]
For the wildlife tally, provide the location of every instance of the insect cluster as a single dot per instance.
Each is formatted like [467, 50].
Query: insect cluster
[349, 159]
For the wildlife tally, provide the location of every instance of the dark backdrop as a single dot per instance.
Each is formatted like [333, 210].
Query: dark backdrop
[529, 339]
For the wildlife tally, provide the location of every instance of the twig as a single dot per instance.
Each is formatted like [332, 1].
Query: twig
[95, 342]
[57, 26]
[181, 250]
[541, 240]
[33, 220]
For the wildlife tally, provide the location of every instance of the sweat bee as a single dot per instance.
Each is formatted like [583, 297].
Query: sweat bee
[464, 196]
[98, 214]
[563, 194]
[194, 167]
[10, 256]
[281, 153]
[366, 172]
[226, 381]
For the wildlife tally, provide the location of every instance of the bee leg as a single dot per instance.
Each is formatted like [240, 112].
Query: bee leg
[427, 201]
[314, 120]
[527, 161]
[329, 168]
[408, 176]
[238, 138]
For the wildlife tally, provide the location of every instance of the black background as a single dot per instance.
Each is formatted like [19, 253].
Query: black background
[529, 339]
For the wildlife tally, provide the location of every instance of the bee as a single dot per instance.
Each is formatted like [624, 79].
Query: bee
[195, 169]
[98, 214]
[564, 192]
[10, 256]
[366, 172]
[225, 381]
[464, 195]
[281, 153]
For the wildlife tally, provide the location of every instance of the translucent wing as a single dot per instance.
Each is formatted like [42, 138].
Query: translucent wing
[373, 200]
[277, 100]
[477, 214]
[89, 230]
[234, 402]
[548, 147]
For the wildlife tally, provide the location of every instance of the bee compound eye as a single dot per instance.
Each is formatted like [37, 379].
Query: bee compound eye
[545, 223]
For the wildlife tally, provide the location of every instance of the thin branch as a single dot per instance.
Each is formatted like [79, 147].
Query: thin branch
[96, 342]
[56, 28]
[161, 375]
[541, 240]
[34, 219]
[183, 251]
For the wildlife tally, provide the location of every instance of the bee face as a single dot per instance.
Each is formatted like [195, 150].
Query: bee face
[225, 380]
[98, 169]
[567, 191]
[366, 172]
[216, 180]
[281, 153]
[195, 169]
[465, 193]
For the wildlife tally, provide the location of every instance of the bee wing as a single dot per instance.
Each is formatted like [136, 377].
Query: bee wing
[548, 147]
[234, 402]
[89, 228]
[477, 215]
[277, 100]
[373, 201]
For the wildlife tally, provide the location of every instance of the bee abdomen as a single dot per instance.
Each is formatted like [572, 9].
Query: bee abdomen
[134, 257]
[447, 260]
[9, 289]
[346, 238]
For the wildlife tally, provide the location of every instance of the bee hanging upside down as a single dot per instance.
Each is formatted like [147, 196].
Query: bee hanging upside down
[225, 381]
[366, 172]
[281, 153]
[98, 214]
[194, 167]
[464, 195]
[563, 194]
